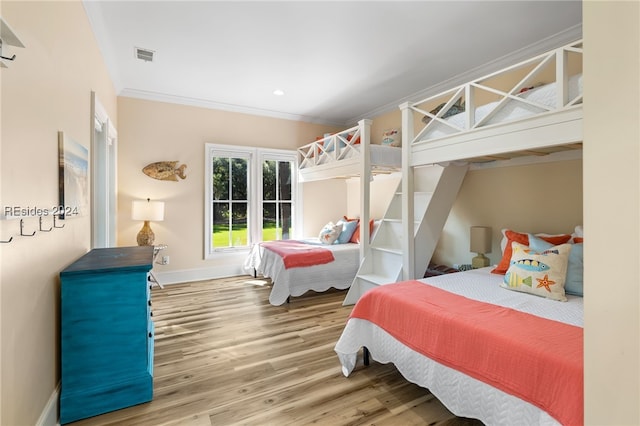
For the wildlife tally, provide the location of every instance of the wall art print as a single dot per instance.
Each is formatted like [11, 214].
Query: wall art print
[73, 172]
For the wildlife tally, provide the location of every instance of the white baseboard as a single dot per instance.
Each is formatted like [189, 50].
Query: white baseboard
[49, 415]
[189, 275]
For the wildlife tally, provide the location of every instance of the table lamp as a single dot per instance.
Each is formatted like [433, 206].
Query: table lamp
[480, 244]
[147, 210]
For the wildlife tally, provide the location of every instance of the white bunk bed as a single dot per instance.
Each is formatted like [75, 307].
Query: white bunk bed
[531, 108]
[345, 154]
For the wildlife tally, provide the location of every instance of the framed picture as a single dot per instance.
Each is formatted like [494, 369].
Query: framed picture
[73, 178]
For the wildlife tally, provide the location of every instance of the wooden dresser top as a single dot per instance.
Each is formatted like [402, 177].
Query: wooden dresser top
[106, 259]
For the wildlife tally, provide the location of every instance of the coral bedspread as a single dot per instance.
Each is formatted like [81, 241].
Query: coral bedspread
[536, 359]
[297, 254]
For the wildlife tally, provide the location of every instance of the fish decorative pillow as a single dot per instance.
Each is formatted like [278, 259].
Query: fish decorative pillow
[543, 274]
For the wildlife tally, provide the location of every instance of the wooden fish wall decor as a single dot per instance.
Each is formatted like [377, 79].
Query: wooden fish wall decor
[165, 170]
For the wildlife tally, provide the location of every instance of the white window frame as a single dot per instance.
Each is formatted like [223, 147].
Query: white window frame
[254, 192]
[104, 184]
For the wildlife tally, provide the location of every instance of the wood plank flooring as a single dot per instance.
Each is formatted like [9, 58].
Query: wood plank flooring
[224, 356]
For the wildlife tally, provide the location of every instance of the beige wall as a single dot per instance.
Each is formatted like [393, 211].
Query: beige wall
[46, 89]
[534, 198]
[154, 131]
[611, 212]
[323, 201]
[390, 120]
[381, 191]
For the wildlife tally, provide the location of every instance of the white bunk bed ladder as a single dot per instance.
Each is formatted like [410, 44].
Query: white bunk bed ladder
[383, 261]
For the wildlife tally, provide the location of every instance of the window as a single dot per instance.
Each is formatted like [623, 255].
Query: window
[250, 197]
[277, 199]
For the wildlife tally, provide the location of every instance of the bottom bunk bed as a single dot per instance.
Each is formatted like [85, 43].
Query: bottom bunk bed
[319, 266]
[500, 356]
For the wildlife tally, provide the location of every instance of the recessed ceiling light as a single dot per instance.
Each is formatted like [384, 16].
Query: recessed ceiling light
[278, 92]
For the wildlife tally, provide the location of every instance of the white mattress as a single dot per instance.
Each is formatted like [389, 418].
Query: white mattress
[297, 281]
[381, 156]
[462, 394]
[511, 110]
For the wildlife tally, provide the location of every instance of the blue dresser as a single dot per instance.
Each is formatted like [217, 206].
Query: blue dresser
[106, 332]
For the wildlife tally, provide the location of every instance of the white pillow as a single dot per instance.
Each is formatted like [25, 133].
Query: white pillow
[348, 228]
[329, 233]
[577, 232]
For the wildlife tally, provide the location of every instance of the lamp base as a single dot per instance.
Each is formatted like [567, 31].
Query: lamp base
[145, 237]
[480, 261]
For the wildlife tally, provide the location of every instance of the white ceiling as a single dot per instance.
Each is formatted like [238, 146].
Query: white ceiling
[337, 62]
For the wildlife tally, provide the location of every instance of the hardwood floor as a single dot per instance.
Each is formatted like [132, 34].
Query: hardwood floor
[224, 355]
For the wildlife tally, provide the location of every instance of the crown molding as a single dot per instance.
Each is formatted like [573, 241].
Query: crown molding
[203, 103]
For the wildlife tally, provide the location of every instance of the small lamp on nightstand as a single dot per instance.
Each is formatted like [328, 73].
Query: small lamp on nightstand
[147, 210]
[481, 244]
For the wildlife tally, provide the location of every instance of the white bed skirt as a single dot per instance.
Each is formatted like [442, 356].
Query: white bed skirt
[460, 393]
[295, 282]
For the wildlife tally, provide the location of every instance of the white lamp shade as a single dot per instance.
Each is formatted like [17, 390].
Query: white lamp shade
[480, 239]
[147, 210]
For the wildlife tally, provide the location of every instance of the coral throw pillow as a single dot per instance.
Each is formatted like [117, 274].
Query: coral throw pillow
[355, 238]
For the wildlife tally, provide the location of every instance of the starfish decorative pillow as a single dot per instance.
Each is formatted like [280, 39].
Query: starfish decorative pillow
[540, 273]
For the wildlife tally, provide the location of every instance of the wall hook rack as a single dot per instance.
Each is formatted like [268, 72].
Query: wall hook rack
[40, 226]
[9, 38]
[22, 228]
[54, 223]
[6, 242]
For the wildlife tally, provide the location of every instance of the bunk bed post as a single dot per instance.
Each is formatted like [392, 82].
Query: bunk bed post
[408, 260]
[365, 185]
[562, 78]
[470, 109]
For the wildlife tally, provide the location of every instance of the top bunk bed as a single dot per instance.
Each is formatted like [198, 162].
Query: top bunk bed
[531, 108]
[348, 153]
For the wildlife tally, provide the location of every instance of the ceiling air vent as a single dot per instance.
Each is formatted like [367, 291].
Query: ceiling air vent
[144, 54]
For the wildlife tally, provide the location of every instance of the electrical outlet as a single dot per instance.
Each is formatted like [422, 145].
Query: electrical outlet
[165, 260]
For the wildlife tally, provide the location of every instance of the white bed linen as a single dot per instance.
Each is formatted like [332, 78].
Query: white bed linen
[462, 394]
[511, 110]
[297, 281]
[381, 156]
